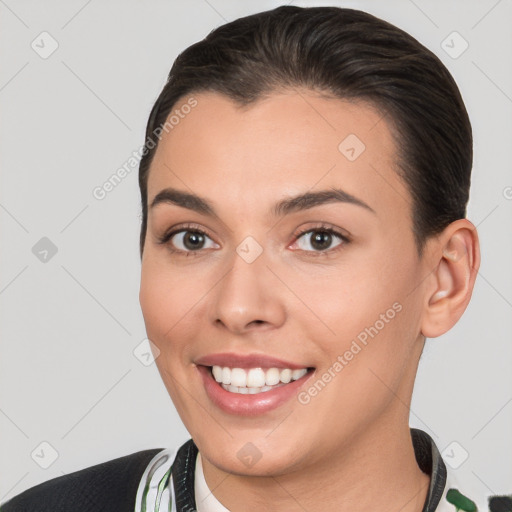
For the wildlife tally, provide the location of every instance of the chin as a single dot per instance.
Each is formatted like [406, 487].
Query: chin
[252, 455]
[262, 464]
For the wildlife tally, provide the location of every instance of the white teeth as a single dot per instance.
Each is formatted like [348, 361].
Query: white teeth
[272, 377]
[249, 391]
[226, 375]
[254, 380]
[285, 375]
[238, 377]
[297, 374]
[217, 373]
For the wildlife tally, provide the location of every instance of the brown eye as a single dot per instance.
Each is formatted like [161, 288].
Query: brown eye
[187, 240]
[193, 240]
[320, 240]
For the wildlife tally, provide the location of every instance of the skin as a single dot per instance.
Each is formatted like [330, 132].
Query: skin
[297, 302]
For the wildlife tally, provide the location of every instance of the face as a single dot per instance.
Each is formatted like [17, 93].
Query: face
[245, 280]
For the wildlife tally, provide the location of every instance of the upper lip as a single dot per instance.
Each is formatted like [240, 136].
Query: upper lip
[233, 360]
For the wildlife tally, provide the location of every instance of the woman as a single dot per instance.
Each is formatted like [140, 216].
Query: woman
[304, 184]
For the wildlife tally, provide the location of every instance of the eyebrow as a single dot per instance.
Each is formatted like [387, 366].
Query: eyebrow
[281, 208]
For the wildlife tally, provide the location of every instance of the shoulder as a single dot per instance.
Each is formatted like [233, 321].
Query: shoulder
[107, 486]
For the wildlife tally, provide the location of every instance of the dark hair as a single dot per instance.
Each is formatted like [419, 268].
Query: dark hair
[348, 54]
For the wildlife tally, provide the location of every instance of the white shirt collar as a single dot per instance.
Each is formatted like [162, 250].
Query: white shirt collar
[205, 500]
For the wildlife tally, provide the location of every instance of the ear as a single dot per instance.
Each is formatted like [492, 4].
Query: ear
[455, 259]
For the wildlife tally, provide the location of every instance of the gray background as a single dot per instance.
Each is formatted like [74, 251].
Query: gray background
[69, 326]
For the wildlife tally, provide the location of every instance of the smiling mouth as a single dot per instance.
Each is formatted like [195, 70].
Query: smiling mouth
[251, 381]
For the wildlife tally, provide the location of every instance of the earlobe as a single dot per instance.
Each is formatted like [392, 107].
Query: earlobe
[456, 260]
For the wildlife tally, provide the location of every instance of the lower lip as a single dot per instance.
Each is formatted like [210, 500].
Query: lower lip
[248, 405]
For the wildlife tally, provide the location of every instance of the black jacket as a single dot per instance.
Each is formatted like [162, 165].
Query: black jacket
[107, 487]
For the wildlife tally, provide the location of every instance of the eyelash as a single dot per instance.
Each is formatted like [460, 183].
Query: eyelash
[322, 228]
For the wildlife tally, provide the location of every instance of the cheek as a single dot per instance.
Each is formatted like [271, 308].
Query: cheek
[365, 312]
[166, 293]
[348, 299]
[162, 309]
[159, 301]
[173, 299]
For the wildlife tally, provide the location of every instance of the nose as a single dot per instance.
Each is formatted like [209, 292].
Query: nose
[248, 297]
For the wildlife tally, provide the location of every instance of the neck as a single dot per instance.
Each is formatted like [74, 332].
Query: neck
[376, 467]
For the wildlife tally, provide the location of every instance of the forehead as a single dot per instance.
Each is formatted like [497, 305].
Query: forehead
[281, 145]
